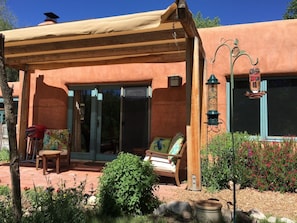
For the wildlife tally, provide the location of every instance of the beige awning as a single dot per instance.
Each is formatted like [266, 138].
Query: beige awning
[155, 36]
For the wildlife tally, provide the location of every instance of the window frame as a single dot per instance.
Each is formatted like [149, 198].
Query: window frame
[263, 107]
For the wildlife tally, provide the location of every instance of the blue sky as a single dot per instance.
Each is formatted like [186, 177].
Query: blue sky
[30, 12]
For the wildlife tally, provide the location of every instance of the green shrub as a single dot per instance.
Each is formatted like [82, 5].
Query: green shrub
[61, 205]
[5, 191]
[4, 154]
[6, 211]
[217, 161]
[258, 164]
[272, 165]
[126, 187]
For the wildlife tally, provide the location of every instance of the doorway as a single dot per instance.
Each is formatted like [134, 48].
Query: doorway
[106, 120]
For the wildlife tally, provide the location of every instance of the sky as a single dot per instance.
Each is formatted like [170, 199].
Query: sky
[31, 12]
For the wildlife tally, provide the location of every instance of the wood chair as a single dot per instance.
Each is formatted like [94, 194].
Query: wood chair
[168, 164]
[56, 146]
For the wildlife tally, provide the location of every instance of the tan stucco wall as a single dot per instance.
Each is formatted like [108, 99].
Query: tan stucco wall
[48, 97]
[273, 43]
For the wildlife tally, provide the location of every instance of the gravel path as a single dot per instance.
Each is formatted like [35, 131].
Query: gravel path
[270, 203]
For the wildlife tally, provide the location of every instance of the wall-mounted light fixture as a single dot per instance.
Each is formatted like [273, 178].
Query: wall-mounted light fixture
[174, 81]
[212, 113]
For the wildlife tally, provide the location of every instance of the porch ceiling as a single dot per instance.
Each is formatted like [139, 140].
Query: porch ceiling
[149, 37]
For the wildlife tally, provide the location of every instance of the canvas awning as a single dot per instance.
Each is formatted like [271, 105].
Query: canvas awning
[155, 36]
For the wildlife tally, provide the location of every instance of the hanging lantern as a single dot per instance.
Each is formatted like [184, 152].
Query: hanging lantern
[255, 80]
[212, 113]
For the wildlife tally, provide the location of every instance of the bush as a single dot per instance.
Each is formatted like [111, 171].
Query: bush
[126, 187]
[5, 191]
[4, 154]
[6, 211]
[272, 165]
[217, 161]
[61, 205]
[257, 164]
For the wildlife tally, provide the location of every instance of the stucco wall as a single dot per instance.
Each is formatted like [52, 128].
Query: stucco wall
[273, 43]
[48, 93]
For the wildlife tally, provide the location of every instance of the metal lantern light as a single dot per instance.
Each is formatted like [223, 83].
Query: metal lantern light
[255, 80]
[212, 113]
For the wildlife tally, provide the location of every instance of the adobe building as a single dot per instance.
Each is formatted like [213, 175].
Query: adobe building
[273, 45]
[121, 106]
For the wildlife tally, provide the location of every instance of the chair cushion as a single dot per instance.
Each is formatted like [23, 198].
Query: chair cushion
[56, 139]
[161, 164]
[160, 144]
[175, 146]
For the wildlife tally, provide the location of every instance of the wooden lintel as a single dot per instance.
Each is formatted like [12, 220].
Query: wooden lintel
[96, 42]
[88, 54]
[158, 58]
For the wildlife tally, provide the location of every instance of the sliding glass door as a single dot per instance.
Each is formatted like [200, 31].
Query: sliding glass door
[106, 120]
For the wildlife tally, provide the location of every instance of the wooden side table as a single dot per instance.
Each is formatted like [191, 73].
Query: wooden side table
[50, 154]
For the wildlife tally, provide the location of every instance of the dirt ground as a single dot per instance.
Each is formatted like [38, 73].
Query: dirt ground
[270, 203]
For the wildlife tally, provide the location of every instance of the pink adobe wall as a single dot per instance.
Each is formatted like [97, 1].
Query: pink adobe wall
[273, 43]
[48, 93]
[16, 88]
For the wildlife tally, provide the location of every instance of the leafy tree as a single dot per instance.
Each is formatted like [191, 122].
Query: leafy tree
[6, 22]
[291, 12]
[205, 22]
[7, 19]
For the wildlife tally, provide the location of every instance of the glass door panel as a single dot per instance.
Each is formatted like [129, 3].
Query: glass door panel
[109, 112]
[81, 124]
[135, 123]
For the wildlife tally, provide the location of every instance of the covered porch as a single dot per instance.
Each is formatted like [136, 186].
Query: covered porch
[163, 36]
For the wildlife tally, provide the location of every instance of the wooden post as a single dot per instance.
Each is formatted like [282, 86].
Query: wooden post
[23, 112]
[194, 131]
[204, 107]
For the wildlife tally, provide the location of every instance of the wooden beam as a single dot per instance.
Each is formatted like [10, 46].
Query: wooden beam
[189, 73]
[186, 19]
[154, 58]
[96, 41]
[168, 46]
[204, 103]
[23, 111]
[194, 168]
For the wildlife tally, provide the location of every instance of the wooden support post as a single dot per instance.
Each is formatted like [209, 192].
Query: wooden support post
[193, 157]
[23, 111]
[204, 105]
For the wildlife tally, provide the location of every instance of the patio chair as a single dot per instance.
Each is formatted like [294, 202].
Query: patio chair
[168, 163]
[56, 146]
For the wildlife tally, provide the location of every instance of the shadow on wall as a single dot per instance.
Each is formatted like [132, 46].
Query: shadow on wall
[49, 105]
[168, 111]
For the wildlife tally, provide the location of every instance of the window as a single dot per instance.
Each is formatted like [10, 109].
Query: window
[246, 112]
[271, 116]
[282, 107]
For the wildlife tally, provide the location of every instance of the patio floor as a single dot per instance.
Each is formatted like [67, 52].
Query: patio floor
[77, 173]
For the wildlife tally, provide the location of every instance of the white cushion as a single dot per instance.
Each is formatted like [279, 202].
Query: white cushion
[162, 164]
